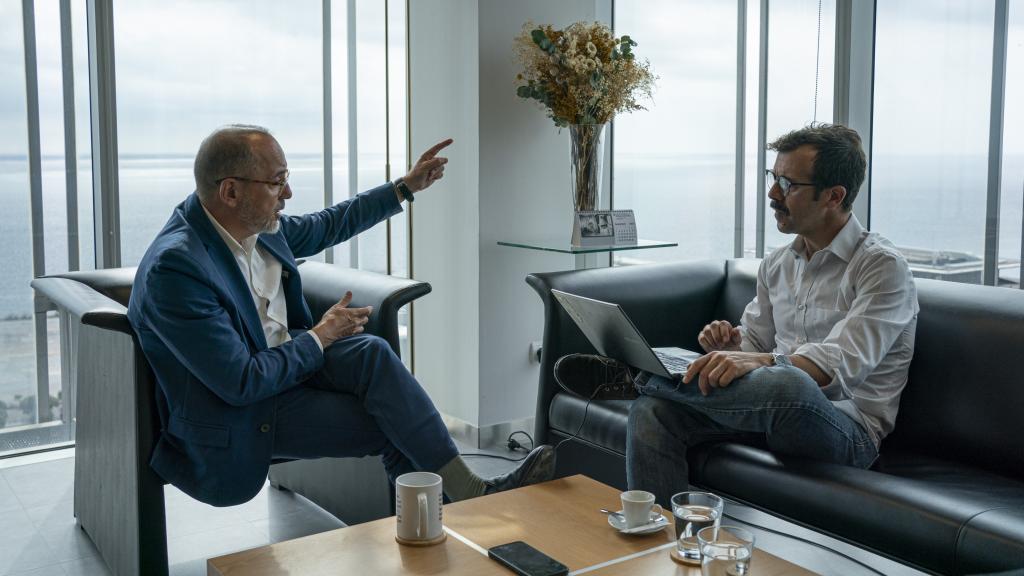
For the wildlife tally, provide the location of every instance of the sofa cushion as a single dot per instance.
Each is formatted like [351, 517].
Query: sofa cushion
[605, 423]
[935, 514]
[964, 394]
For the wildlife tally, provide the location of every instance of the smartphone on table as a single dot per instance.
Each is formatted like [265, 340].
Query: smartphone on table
[526, 560]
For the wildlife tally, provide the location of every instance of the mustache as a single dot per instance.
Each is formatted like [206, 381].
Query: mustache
[776, 206]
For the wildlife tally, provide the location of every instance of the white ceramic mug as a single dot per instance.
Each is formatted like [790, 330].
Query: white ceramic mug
[418, 506]
[638, 507]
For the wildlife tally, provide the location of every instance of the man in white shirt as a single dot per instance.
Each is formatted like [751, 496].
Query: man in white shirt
[244, 375]
[821, 355]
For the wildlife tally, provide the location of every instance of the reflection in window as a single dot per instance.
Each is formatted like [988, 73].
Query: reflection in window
[933, 79]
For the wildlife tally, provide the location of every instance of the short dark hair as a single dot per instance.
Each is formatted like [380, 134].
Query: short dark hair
[840, 159]
[227, 151]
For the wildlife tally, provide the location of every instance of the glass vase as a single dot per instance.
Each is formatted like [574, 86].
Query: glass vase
[586, 154]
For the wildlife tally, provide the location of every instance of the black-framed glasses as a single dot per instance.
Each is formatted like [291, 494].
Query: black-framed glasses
[280, 183]
[785, 184]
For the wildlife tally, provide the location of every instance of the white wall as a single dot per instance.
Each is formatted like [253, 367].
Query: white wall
[508, 179]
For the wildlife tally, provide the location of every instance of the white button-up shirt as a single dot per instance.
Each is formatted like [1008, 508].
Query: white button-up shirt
[851, 309]
[262, 272]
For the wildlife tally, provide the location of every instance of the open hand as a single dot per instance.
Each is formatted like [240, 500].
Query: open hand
[428, 169]
[720, 368]
[720, 335]
[340, 321]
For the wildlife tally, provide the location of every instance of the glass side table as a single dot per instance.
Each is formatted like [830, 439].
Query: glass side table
[586, 256]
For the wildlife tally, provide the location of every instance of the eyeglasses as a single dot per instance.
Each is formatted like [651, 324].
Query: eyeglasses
[785, 184]
[279, 184]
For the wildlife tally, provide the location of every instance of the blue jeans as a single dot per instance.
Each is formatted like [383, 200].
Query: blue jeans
[777, 406]
[363, 402]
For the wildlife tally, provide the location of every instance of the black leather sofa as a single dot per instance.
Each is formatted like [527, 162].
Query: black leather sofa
[946, 494]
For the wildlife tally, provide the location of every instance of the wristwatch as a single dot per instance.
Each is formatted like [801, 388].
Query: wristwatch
[780, 359]
[403, 189]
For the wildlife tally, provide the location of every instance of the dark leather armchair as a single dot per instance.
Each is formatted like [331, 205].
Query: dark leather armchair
[947, 492]
[119, 499]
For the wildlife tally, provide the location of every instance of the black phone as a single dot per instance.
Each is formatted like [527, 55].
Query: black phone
[526, 560]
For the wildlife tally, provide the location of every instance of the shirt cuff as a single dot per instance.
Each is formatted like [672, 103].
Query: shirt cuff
[317, 340]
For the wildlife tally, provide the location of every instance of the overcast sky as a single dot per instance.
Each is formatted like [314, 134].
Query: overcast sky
[185, 67]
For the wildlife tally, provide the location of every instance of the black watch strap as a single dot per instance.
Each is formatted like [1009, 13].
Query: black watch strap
[404, 190]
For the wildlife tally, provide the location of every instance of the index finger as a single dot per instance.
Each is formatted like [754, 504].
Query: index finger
[694, 368]
[433, 150]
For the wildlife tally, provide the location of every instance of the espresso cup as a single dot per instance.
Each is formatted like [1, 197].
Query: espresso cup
[638, 507]
[418, 507]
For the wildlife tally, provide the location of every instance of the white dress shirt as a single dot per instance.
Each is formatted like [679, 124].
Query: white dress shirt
[262, 272]
[851, 309]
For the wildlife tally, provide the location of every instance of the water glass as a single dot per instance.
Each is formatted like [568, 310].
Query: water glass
[725, 550]
[694, 511]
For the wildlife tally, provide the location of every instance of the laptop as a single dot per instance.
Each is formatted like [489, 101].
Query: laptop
[614, 335]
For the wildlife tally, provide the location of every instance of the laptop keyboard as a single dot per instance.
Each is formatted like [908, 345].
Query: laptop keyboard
[673, 364]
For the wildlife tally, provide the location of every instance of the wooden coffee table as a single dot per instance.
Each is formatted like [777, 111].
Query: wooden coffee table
[559, 518]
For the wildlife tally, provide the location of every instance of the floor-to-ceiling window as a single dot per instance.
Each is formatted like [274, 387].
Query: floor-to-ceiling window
[933, 79]
[933, 137]
[674, 163]
[1011, 214]
[181, 70]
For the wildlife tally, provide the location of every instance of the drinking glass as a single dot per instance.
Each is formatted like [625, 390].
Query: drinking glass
[694, 511]
[725, 550]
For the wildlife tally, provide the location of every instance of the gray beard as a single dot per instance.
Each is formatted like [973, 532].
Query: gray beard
[269, 225]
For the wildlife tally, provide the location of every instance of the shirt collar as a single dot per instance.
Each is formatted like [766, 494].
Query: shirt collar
[843, 245]
[244, 247]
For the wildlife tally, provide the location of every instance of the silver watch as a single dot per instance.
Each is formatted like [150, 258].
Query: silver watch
[781, 359]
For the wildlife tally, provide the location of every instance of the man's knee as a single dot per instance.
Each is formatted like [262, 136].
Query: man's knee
[785, 382]
[647, 419]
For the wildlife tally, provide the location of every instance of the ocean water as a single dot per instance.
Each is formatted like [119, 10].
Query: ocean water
[918, 202]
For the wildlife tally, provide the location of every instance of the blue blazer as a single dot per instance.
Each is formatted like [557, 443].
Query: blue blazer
[197, 324]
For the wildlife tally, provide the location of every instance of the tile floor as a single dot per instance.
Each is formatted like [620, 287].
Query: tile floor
[39, 537]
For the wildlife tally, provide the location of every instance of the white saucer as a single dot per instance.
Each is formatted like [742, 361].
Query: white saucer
[658, 521]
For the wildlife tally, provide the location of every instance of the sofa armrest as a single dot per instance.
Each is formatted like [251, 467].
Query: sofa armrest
[669, 303]
[324, 284]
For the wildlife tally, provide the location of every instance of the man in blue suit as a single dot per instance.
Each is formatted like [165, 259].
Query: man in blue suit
[244, 374]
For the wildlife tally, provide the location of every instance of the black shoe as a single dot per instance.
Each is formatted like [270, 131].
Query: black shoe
[595, 377]
[538, 466]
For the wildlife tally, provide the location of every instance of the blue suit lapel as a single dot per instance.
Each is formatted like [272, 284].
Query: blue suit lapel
[298, 312]
[227, 267]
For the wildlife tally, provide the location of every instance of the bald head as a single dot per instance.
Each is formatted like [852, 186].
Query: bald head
[228, 151]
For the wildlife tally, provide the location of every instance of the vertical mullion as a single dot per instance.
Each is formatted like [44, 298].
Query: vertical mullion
[387, 125]
[35, 170]
[103, 117]
[408, 166]
[70, 144]
[995, 143]
[609, 175]
[762, 125]
[741, 126]
[328, 116]
[353, 123]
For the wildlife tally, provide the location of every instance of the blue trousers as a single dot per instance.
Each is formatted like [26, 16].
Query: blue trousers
[779, 407]
[363, 402]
